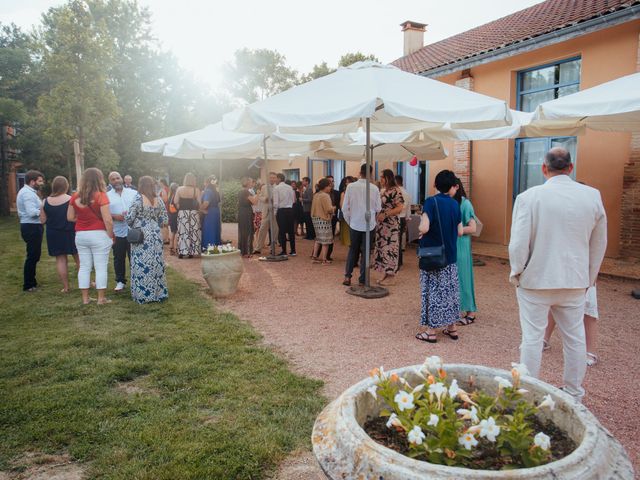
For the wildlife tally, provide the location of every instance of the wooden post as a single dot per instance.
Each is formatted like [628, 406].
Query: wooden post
[78, 160]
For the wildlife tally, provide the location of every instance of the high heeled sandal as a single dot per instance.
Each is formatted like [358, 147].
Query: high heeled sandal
[450, 334]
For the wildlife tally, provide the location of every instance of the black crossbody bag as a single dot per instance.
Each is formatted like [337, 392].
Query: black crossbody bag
[433, 258]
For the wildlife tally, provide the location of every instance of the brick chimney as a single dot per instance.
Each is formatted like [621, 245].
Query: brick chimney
[413, 36]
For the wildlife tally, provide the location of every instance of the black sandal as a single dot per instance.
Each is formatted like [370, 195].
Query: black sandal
[427, 337]
[466, 320]
[450, 334]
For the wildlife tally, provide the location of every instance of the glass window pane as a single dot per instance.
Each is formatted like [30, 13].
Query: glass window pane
[531, 158]
[570, 72]
[562, 91]
[530, 101]
[543, 77]
[570, 144]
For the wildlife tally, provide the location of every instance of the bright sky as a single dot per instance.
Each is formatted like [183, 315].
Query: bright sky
[203, 34]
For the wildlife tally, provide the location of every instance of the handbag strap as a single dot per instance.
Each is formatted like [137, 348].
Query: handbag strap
[439, 221]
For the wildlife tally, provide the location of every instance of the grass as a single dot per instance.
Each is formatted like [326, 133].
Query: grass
[202, 398]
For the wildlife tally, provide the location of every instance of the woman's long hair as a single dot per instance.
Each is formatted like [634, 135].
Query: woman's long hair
[389, 177]
[460, 193]
[210, 183]
[190, 180]
[91, 182]
[147, 187]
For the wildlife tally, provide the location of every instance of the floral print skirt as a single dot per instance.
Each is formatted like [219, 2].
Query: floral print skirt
[189, 232]
[440, 297]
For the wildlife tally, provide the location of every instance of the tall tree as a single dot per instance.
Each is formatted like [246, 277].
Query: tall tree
[351, 58]
[77, 55]
[257, 74]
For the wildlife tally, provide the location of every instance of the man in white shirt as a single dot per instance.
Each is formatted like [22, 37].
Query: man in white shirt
[266, 214]
[406, 212]
[283, 199]
[120, 201]
[28, 204]
[353, 210]
[558, 241]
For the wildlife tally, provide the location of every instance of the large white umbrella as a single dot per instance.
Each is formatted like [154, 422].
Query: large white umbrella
[612, 106]
[379, 98]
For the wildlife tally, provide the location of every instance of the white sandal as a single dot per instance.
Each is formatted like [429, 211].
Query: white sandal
[592, 359]
[545, 345]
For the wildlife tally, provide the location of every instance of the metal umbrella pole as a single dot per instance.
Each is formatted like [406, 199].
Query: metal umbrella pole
[272, 257]
[367, 291]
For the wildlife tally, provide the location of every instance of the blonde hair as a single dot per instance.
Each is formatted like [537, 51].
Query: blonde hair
[59, 186]
[91, 182]
[190, 180]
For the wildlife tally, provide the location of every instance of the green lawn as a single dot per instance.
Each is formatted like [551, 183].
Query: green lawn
[203, 397]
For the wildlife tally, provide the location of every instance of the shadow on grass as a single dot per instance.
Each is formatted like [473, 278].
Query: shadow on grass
[209, 400]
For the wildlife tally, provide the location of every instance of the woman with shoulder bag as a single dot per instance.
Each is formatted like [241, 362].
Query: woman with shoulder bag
[148, 214]
[440, 227]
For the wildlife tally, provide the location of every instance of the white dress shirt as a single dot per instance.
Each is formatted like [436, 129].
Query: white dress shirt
[558, 235]
[283, 196]
[354, 205]
[119, 204]
[28, 204]
[406, 198]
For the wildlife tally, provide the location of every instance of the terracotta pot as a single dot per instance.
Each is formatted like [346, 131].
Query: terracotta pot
[222, 272]
[345, 451]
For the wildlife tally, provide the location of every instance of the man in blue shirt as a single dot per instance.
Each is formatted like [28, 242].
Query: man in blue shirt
[28, 203]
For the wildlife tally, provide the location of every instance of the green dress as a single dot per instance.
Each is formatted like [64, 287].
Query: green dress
[465, 261]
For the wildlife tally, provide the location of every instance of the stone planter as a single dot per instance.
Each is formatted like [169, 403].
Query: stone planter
[222, 272]
[345, 451]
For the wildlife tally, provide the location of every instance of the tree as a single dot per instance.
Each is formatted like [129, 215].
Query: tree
[319, 70]
[351, 58]
[257, 74]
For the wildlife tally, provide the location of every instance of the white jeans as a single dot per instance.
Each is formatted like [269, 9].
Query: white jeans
[93, 249]
[567, 307]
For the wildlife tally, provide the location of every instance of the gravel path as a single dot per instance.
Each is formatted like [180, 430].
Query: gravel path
[304, 313]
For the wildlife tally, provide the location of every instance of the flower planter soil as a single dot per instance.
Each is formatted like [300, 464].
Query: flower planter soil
[486, 459]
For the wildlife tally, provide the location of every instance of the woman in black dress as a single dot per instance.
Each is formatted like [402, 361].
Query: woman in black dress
[245, 217]
[61, 234]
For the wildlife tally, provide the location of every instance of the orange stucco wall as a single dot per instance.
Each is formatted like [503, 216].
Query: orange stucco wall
[601, 157]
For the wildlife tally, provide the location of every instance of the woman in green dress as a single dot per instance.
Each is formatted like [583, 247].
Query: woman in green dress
[465, 261]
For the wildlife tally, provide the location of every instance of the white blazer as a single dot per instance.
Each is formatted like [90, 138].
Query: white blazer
[558, 236]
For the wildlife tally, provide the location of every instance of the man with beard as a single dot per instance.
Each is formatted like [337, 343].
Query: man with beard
[120, 200]
[28, 204]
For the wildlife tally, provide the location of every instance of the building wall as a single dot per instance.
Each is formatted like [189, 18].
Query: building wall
[602, 156]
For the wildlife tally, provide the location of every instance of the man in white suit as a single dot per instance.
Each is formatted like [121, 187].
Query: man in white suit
[558, 240]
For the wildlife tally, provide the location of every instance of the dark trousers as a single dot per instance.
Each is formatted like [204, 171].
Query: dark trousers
[121, 250]
[356, 249]
[32, 235]
[284, 217]
[403, 228]
[311, 233]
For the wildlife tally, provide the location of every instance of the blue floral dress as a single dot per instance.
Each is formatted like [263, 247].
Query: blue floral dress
[148, 280]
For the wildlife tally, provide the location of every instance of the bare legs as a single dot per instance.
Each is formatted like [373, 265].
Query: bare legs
[590, 331]
[63, 270]
[320, 253]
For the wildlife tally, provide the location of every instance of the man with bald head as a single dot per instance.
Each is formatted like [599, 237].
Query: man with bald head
[558, 241]
[120, 200]
[128, 182]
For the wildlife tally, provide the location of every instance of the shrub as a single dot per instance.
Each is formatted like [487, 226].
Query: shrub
[229, 191]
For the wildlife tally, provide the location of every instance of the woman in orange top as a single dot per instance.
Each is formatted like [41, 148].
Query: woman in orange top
[89, 208]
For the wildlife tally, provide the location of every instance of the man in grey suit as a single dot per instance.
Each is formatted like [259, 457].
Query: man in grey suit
[558, 241]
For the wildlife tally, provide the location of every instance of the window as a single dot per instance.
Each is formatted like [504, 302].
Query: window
[537, 85]
[291, 174]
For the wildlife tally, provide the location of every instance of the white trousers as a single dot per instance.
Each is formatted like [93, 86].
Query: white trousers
[93, 249]
[567, 307]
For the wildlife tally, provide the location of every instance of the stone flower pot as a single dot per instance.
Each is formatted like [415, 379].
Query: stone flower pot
[222, 272]
[345, 451]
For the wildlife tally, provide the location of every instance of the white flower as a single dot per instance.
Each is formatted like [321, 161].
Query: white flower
[416, 436]
[438, 389]
[433, 363]
[418, 372]
[489, 429]
[521, 368]
[418, 388]
[522, 391]
[469, 414]
[433, 420]
[541, 440]
[404, 400]
[378, 374]
[454, 389]
[393, 421]
[547, 401]
[373, 389]
[503, 382]
[468, 440]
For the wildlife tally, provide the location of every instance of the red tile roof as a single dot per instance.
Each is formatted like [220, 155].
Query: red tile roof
[545, 17]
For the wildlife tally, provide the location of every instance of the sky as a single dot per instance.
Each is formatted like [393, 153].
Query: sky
[204, 34]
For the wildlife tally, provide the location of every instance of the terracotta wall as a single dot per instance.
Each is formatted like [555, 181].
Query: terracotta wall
[606, 55]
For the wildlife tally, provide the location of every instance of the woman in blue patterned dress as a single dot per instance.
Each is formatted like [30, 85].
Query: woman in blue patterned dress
[148, 281]
[440, 224]
[210, 207]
